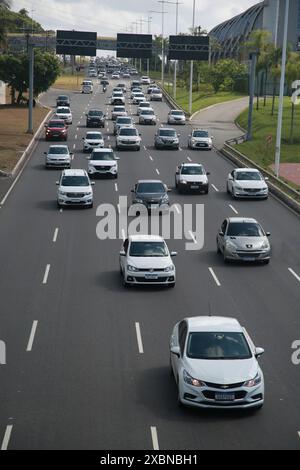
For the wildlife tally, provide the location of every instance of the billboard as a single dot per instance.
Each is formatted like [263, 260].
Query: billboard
[188, 48]
[76, 43]
[134, 46]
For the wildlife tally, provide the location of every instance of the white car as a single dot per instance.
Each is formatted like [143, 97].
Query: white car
[142, 105]
[63, 112]
[156, 95]
[58, 156]
[115, 76]
[145, 80]
[134, 91]
[122, 121]
[215, 365]
[117, 98]
[200, 139]
[138, 98]
[103, 162]
[191, 177]
[147, 116]
[146, 260]
[128, 138]
[176, 116]
[74, 189]
[87, 86]
[247, 183]
[118, 111]
[92, 140]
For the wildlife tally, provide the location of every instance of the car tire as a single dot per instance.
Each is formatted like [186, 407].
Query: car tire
[206, 191]
[125, 284]
[226, 260]
[266, 261]
[218, 248]
[91, 205]
[227, 189]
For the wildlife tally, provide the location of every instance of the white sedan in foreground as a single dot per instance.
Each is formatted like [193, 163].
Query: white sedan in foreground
[215, 365]
[146, 260]
[247, 183]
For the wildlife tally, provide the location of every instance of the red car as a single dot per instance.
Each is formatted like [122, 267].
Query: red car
[56, 129]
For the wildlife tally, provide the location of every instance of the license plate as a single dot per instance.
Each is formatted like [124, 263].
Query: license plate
[194, 187]
[224, 396]
[249, 258]
[151, 276]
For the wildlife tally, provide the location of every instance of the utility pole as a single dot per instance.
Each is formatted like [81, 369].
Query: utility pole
[281, 93]
[31, 80]
[253, 57]
[192, 66]
[162, 12]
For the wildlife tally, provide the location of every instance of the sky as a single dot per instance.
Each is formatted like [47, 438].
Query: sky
[108, 17]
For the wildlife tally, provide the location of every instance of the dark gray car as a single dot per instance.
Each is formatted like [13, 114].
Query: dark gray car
[166, 138]
[153, 194]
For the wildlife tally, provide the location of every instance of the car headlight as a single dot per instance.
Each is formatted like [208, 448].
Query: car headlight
[253, 382]
[131, 268]
[183, 181]
[88, 194]
[193, 140]
[165, 199]
[62, 193]
[265, 245]
[191, 381]
[139, 201]
[170, 268]
[230, 246]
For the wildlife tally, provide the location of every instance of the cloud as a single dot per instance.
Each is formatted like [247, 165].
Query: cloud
[108, 18]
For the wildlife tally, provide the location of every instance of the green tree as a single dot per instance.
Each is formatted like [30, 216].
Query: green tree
[4, 7]
[14, 72]
[228, 74]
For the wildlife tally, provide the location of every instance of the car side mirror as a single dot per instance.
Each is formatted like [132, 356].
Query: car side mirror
[221, 233]
[117, 158]
[122, 253]
[57, 183]
[175, 350]
[173, 254]
[268, 234]
[132, 191]
[92, 183]
[45, 153]
[169, 190]
[230, 177]
[208, 173]
[71, 153]
[259, 352]
[266, 179]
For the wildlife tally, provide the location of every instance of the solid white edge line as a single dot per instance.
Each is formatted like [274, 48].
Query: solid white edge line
[154, 438]
[12, 186]
[214, 277]
[294, 274]
[232, 208]
[6, 438]
[55, 235]
[215, 188]
[31, 337]
[45, 279]
[193, 237]
[139, 338]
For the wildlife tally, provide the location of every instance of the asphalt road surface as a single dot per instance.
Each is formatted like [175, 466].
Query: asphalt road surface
[76, 377]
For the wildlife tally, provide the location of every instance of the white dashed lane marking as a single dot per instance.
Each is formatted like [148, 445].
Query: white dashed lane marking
[214, 277]
[32, 335]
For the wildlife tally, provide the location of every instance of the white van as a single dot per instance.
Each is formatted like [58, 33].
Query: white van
[87, 86]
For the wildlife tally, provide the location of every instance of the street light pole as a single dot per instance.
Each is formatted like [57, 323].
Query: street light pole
[282, 81]
[30, 101]
[251, 94]
[162, 12]
[192, 65]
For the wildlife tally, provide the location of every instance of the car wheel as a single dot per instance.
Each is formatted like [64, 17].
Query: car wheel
[218, 248]
[226, 260]
[206, 191]
[91, 205]
[266, 261]
[228, 191]
[125, 284]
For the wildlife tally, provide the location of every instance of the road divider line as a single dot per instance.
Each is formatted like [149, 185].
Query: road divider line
[76, 136]
[60, 210]
[119, 209]
[145, 148]
[189, 159]
[180, 149]
[232, 208]
[193, 237]
[139, 338]
[294, 274]
[32, 335]
[177, 209]
[55, 235]
[157, 171]
[108, 138]
[151, 158]
[6, 438]
[154, 438]
[74, 146]
[215, 188]
[45, 279]
[116, 187]
[214, 277]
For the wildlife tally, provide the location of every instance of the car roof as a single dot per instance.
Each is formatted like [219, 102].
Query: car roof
[103, 150]
[56, 121]
[242, 220]
[176, 111]
[58, 146]
[191, 164]
[213, 324]
[149, 181]
[74, 172]
[62, 107]
[166, 129]
[247, 169]
[200, 129]
[143, 238]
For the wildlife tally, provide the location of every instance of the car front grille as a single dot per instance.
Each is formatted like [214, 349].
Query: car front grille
[210, 395]
[75, 195]
[224, 387]
[152, 271]
[159, 280]
[102, 168]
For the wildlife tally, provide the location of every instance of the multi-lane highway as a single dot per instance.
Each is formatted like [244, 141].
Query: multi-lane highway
[87, 360]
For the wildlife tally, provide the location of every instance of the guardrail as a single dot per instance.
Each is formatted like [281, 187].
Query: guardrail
[279, 188]
[170, 100]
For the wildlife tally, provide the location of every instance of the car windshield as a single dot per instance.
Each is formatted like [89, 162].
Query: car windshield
[63, 98]
[218, 346]
[128, 131]
[192, 170]
[244, 229]
[117, 94]
[248, 176]
[151, 188]
[119, 109]
[124, 120]
[58, 150]
[155, 91]
[95, 113]
[62, 111]
[167, 133]
[177, 113]
[103, 156]
[148, 249]
[56, 124]
[145, 104]
[148, 112]
[96, 136]
[200, 134]
[75, 181]
[139, 95]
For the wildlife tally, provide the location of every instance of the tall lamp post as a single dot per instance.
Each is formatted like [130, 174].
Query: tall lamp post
[162, 12]
[192, 65]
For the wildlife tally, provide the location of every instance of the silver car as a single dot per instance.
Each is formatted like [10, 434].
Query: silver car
[176, 116]
[122, 121]
[58, 156]
[166, 138]
[243, 239]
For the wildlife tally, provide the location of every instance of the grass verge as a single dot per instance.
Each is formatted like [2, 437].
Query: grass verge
[69, 82]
